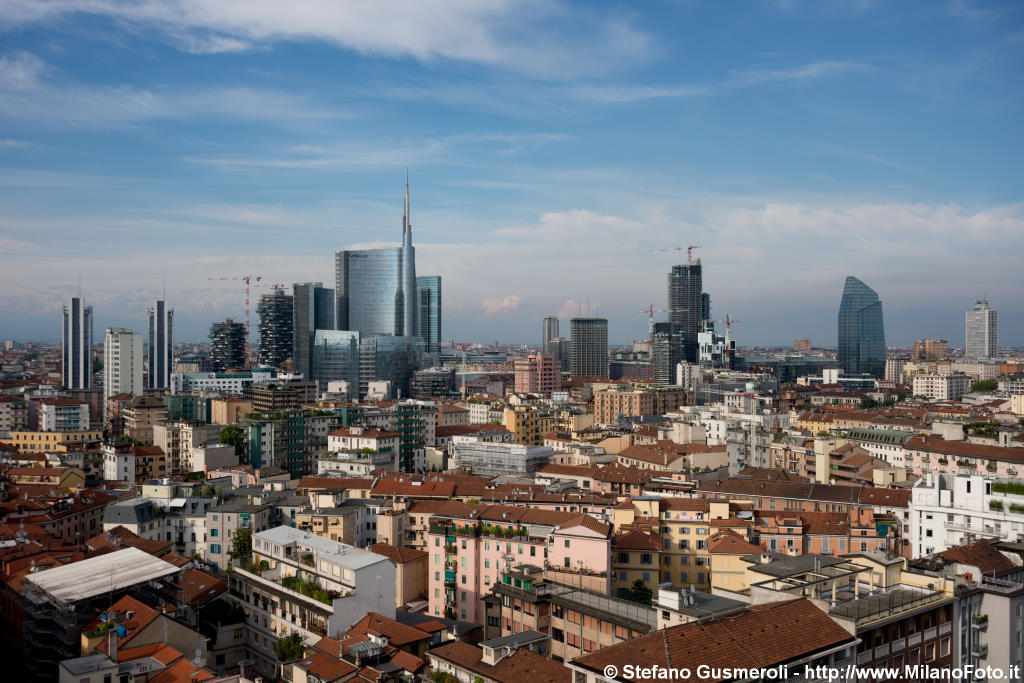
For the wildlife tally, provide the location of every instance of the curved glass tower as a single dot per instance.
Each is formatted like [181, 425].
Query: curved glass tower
[861, 330]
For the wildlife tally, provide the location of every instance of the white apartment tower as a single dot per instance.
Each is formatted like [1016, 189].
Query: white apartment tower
[122, 362]
[981, 331]
[76, 352]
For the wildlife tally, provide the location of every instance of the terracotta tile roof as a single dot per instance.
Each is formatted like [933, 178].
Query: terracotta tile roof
[637, 539]
[520, 666]
[983, 555]
[807, 491]
[398, 554]
[334, 483]
[964, 449]
[161, 652]
[516, 515]
[200, 587]
[398, 634]
[182, 671]
[666, 452]
[763, 636]
[569, 470]
[142, 616]
[770, 474]
[422, 489]
[730, 542]
[119, 537]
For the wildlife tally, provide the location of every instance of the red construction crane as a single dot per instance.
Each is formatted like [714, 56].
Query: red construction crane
[248, 280]
[689, 251]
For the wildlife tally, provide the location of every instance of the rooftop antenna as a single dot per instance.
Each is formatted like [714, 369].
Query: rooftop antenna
[79, 284]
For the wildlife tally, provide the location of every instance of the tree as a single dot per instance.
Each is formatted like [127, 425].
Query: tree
[241, 543]
[97, 365]
[639, 593]
[867, 403]
[985, 385]
[289, 649]
[233, 436]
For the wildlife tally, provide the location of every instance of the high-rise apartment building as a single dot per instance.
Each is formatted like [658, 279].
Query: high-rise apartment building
[538, 373]
[375, 289]
[981, 331]
[122, 363]
[549, 331]
[227, 345]
[312, 310]
[275, 327]
[161, 345]
[688, 304]
[76, 353]
[666, 351]
[861, 330]
[588, 347]
[802, 345]
[931, 349]
[428, 313]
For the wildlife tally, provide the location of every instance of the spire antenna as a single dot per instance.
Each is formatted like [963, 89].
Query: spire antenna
[406, 221]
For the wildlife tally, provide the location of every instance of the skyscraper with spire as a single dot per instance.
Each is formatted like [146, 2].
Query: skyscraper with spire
[376, 289]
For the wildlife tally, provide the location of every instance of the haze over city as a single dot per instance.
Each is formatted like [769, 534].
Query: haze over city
[555, 151]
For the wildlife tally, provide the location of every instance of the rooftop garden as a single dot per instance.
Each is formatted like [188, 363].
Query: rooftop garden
[1011, 487]
[307, 588]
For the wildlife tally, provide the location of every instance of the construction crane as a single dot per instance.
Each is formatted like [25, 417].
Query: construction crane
[689, 251]
[248, 280]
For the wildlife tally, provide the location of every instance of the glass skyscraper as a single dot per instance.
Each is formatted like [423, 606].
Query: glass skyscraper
[335, 357]
[588, 347]
[428, 314]
[76, 352]
[687, 304]
[981, 331]
[861, 330]
[312, 310]
[161, 345]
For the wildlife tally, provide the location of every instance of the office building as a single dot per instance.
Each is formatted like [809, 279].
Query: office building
[931, 349]
[312, 310]
[588, 347]
[122, 363]
[802, 345]
[391, 359]
[76, 352]
[161, 346]
[434, 383]
[981, 331]
[375, 288]
[227, 345]
[428, 313]
[335, 357]
[861, 330]
[549, 332]
[688, 304]
[275, 328]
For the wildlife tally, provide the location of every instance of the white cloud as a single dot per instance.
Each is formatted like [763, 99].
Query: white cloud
[506, 304]
[31, 90]
[614, 94]
[803, 72]
[544, 38]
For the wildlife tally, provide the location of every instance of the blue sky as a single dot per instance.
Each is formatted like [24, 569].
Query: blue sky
[558, 152]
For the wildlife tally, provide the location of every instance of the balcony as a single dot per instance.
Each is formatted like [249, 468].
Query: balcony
[979, 622]
[979, 651]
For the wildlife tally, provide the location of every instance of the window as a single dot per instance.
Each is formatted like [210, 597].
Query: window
[567, 543]
[645, 558]
[945, 646]
[624, 558]
[437, 576]
[213, 532]
[566, 561]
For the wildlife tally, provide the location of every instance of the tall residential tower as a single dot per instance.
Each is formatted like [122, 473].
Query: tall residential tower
[76, 353]
[588, 347]
[688, 305]
[275, 326]
[161, 345]
[122, 363]
[981, 331]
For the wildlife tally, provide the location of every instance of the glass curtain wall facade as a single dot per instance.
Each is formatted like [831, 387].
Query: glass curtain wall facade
[389, 358]
[588, 347]
[161, 346]
[666, 352]
[861, 331]
[312, 310]
[428, 315]
[686, 304]
[76, 352]
[335, 357]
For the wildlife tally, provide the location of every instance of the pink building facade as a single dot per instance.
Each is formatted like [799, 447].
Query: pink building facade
[468, 555]
[538, 374]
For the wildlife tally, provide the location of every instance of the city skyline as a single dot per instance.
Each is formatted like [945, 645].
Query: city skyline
[261, 142]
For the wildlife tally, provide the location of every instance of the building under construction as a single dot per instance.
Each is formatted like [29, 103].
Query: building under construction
[275, 327]
[227, 345]
[58, 603]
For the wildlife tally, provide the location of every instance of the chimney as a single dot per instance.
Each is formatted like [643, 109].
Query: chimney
[112, 642]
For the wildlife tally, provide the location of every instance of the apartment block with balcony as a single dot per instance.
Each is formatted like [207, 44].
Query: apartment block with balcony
[950, 510]
[577, 619]
[297, 582]
[932, 453]
[470, 546]
[63, 415]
